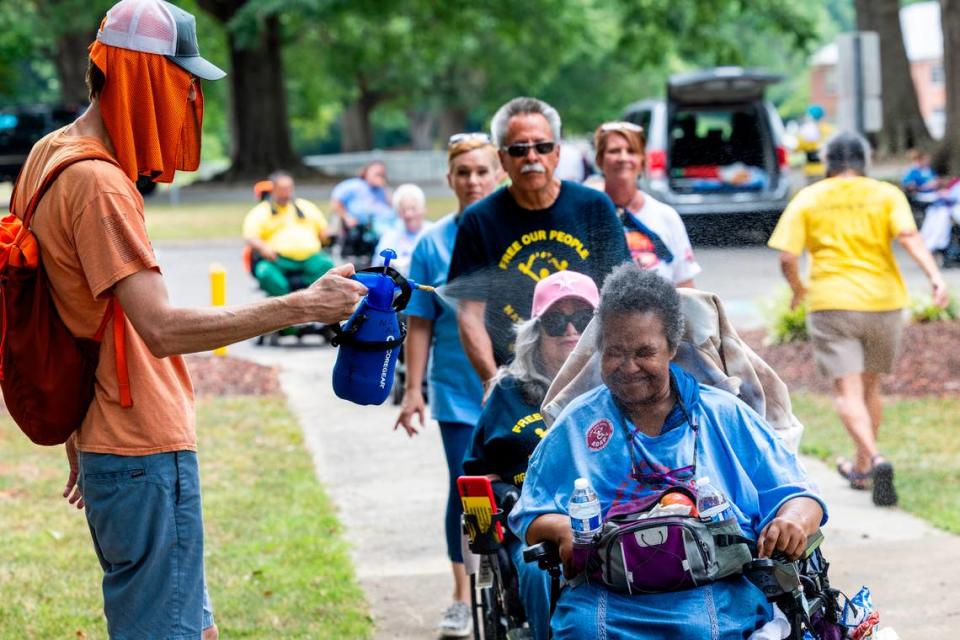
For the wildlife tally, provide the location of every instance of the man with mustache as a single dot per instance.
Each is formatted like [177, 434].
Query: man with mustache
[133, 459]
[517, 236]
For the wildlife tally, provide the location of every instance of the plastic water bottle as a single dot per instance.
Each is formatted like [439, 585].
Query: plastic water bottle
[584, 509]
[711, 503]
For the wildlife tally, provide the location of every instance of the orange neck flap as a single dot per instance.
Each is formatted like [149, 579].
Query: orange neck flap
[154, 127]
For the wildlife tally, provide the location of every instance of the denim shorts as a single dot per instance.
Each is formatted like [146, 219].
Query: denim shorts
[145, 518]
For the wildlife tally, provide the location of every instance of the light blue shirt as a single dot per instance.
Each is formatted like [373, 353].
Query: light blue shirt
[455, 387]
[736, 449]
[365, 203]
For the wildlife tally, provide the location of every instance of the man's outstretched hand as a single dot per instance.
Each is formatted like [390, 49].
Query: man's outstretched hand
[333, 297]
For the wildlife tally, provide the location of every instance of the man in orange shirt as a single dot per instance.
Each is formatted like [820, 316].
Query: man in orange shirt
[133, 463]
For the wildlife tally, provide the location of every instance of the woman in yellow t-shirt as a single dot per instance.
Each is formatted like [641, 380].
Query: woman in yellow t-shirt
[855, 294]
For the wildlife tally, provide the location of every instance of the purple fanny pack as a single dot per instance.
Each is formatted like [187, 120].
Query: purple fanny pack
[636, 554]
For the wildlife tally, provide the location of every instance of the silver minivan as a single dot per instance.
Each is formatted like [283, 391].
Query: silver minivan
[715, 151]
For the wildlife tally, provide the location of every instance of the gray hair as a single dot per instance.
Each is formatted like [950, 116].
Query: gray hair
[409, 190]
[847, 151]
[630, 289]
[527, 366]
[521, 106]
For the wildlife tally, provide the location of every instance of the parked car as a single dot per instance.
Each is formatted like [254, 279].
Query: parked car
[21, 127]
[715, 151]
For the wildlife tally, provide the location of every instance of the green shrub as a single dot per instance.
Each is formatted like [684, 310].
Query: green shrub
[783, 323]
[922, 309]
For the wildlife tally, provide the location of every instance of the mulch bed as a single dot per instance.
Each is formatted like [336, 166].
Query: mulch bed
[225, 376]
[928, 364]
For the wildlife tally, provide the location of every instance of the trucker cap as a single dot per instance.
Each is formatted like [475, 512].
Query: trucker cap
[156, 26]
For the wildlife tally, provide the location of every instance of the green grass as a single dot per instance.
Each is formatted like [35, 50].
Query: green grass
[217, 220]
[918, 435]
[276, 564]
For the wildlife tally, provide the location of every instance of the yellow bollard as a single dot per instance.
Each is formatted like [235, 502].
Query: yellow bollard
[218, 293]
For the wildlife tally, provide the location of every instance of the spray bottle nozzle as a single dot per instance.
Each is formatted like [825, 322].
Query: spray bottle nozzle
[388, 255]
[383, 284]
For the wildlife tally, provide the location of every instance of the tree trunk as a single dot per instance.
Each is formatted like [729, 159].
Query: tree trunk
[355, 123]
[70, 59]
[903, 124]
[452, 120]
[422, 125]
[950, 21]
[259, 126]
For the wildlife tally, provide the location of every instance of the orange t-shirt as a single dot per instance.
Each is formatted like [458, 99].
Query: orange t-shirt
[91, 231]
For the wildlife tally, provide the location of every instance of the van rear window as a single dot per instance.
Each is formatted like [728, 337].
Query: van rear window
[719, 150]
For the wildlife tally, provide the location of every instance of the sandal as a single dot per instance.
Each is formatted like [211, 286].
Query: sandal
[884, 493]
[858, 480]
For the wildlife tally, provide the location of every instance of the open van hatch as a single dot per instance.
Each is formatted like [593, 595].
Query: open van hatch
[719, 85]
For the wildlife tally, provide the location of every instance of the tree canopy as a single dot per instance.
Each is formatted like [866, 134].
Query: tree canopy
[354, 74]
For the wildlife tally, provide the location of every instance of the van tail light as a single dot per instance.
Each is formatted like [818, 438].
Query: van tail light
[657, 163]
[783, 158]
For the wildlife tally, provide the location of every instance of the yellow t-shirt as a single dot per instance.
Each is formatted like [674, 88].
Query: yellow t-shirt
[847, 225]
[285, 232]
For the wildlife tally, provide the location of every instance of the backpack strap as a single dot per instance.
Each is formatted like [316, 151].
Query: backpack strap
[114, 310]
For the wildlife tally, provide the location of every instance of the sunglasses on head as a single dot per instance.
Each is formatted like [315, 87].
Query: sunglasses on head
[621, 126]
[555, 323]
[457, 138]
[520, 149]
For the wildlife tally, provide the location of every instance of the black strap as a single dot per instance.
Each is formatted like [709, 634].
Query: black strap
[401, 301]
[274, 210]
[349, 338]
[730, 539]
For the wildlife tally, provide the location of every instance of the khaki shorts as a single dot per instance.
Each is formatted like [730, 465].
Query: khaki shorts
[848, 342]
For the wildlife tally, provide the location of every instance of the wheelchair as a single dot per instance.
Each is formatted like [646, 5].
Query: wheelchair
[494, 590]
[800, 588]
[357, 244]
[297, 281]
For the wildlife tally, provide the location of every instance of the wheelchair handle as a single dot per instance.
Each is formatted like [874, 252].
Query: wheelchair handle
[546, 555]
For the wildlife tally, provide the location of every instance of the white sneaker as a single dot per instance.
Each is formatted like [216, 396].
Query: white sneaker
[456, 621]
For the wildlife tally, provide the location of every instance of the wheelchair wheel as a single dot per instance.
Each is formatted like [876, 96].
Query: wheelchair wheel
[493, 616]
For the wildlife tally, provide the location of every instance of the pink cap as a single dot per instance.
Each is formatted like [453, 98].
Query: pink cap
[564, 284]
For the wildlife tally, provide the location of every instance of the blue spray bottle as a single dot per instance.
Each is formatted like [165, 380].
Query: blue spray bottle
[370, 339]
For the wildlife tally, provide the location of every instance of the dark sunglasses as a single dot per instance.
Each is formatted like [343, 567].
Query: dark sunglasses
[521, 149]
[555, 324]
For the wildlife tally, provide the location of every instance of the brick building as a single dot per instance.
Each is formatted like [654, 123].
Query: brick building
[924, 43]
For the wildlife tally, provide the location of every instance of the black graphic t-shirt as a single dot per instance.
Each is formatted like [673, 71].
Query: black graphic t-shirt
[502, 250]
[508, 431]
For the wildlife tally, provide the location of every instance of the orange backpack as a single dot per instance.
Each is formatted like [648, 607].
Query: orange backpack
[46, 373]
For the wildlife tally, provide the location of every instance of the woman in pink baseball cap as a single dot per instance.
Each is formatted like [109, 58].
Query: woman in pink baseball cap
[511, 425]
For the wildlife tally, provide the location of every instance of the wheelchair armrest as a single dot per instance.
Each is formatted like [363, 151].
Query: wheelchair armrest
[545, 554]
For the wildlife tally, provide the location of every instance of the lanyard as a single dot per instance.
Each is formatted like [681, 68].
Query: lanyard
[672, 475]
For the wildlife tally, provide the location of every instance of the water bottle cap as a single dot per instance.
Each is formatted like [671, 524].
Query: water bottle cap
[702, 481]
[581, 483]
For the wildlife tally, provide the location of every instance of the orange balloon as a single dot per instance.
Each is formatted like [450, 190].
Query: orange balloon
[676, 497]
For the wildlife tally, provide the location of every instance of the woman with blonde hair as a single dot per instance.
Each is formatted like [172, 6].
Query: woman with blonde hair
[455, 388]
[656, 236]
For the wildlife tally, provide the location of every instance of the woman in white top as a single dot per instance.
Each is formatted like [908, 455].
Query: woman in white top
[655, 233]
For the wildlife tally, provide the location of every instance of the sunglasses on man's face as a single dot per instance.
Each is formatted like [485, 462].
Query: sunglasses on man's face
[555, 324]
[521, 149]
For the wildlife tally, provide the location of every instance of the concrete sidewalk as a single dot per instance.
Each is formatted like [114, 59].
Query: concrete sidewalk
[391, 493]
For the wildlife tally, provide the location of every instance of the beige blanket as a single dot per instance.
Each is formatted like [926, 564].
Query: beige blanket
[710, 350]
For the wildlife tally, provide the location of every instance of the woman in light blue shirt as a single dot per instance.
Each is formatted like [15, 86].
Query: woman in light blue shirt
[455, 388]
[650, 426]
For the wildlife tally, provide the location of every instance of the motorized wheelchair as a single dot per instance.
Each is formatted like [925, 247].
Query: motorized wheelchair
[297, 281]
[800, 588]
[494, 589]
